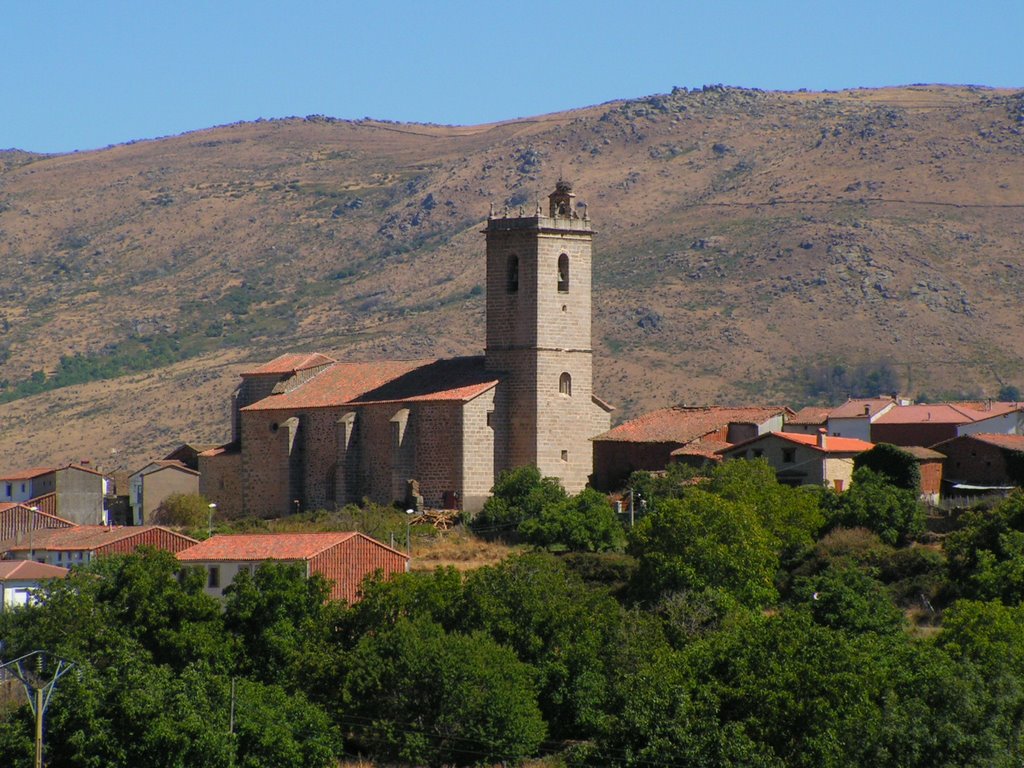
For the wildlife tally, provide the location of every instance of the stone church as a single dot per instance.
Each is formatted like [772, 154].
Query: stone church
[310, 432]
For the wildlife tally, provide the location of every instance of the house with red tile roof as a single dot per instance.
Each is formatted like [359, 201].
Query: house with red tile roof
[311, 432]
[149, 486]
[19, 578]
[855, 417]
[925, 424]
[77, 491]
[996, 419]
[18, 519]
[808, 420]
[342, 558]
[797, 459]
[688, 434]
[82, 543]
[982, 463]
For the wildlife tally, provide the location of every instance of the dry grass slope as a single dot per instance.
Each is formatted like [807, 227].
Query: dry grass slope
[743, 235]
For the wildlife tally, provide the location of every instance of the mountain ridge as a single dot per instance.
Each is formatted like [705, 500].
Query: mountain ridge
[750, 244]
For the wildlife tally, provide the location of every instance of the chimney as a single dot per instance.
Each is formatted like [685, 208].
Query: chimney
[822, 441]
[867, 410]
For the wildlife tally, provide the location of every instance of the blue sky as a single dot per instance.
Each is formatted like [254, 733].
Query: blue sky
[81, 74]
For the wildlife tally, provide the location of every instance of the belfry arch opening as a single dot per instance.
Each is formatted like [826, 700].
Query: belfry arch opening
[513, 273]
[563, 273]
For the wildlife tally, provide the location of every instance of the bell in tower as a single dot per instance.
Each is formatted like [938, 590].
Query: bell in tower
[560, 202]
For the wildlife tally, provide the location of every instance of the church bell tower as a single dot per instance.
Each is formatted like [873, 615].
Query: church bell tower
[538, 338]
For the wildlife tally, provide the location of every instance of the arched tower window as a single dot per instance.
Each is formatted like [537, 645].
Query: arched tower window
[565, 384]
[563, 273]
[513, 273]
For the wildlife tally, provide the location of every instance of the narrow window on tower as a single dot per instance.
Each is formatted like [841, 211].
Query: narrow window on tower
[565, 384]
[513, 273]
[563, 273]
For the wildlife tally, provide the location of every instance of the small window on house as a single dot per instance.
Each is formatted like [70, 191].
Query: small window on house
[513, 273]
[563, 273]
[565, 456]
[10, 489]
[788, 455]
[490, 418]
[758, 453]
[213, 581]
[22, 487]
[565, 384]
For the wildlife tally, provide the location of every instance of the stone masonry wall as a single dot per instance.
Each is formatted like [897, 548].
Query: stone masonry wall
[267, 443]
[478, 454]
[220, 481]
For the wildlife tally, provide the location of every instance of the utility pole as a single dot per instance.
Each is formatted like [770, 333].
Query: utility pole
[39, 683]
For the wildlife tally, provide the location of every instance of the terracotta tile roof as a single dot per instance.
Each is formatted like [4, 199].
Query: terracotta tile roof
[47, 503]
[810, 416]
[851, 409]
[290, 362]
[708, 449]
[457, 379]
[921, 453]
[263, 546]
[27, 474]
[990, 410]
[29, 570]
[86, 537]
[833, 444]
[684, 424]
[1008, 442]
[934, 413]
[16, 519]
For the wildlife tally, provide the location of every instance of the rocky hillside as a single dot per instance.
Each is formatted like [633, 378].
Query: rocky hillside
[752, 246]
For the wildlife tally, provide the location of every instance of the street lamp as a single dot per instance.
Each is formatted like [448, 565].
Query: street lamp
[209, 520]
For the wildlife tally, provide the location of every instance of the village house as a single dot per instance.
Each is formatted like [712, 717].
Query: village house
[930, 465]
[149, 486]
[74, 492]
[855, 417]
[808, 420]
[684, 434]
[982, 463]
[930, 423]
[19, 578]
[82, 544]
[312, 432]
[343, 558]
[797, 459]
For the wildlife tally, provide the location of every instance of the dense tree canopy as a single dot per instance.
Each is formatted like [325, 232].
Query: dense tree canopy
[748, 626]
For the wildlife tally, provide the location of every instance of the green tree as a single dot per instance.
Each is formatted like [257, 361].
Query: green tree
[895, 514]
[1009, 393]
[282, 620]
[185, 510]
[585, 522]
[898, 467]
[986, 555]
[848, 598]
[419, 695]
[704, 540]
[793, 516]
[554, 622]
[518, 494]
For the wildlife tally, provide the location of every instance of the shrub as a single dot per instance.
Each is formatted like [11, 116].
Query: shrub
[186, 510]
